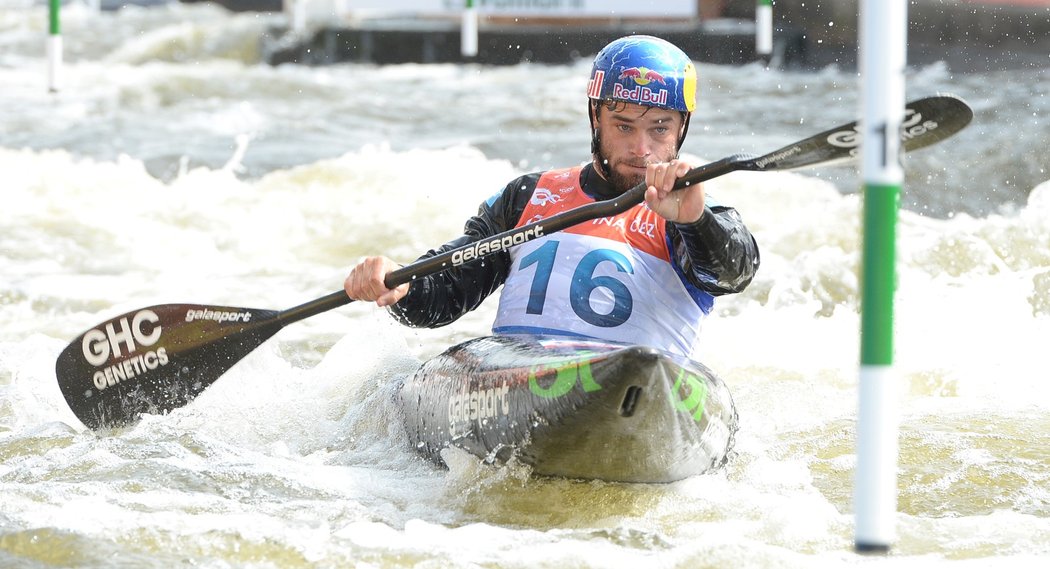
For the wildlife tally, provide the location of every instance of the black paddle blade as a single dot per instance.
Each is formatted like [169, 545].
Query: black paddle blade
[933, 119]
[155, 359]
[926, 121]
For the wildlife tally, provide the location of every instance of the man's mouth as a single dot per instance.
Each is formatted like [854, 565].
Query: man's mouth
[639, 167]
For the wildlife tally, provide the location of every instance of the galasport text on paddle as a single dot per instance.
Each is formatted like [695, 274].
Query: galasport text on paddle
[159, 358]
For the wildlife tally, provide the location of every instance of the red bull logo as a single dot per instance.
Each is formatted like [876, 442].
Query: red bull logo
[640, 95]
[642, 75]
[594, 86]
[644, 80]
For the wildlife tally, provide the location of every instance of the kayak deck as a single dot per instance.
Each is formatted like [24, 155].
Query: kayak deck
[570, 408]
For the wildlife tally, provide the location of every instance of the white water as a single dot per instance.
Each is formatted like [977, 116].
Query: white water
[175, 168]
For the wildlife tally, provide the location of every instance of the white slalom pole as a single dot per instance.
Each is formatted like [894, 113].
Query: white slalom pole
[883, 43]
[295, 12]
[764, 29]
[469, 32]
[54, 46]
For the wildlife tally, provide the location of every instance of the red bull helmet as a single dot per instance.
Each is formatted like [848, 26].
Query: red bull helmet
[644, 70]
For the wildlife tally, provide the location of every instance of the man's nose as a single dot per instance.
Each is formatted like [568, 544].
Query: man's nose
[640, 144]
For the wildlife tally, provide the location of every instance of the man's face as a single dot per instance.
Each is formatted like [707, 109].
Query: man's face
[633, 136]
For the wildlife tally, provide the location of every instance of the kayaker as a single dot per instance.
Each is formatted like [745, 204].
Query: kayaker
[648, 275]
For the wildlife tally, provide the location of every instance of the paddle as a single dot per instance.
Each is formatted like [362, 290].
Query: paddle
[159, 358]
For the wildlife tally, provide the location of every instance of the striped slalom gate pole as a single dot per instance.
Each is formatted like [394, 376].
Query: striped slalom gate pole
[883, 41]
[468, 45]
[764, 29]
[54, 46]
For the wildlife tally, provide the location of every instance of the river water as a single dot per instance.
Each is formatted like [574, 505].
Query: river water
[174, 166]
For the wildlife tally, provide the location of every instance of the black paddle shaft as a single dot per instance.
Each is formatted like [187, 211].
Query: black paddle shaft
[159, 358]
[926, 121]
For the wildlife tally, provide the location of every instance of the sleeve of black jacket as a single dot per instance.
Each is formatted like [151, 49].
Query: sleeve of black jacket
[440, 299]
[718, 254]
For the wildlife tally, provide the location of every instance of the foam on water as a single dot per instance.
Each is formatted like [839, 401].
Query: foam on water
[287, 463]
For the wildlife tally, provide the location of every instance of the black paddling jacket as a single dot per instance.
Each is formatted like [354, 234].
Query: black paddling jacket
[717, 254]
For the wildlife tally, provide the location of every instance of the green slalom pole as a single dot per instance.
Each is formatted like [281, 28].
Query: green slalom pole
[54, 46]
[764, 29]
[883, 42]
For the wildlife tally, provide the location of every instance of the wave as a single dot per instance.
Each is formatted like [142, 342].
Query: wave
[170, 32]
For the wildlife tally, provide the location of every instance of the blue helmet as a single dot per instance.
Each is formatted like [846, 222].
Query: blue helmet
[644, 70]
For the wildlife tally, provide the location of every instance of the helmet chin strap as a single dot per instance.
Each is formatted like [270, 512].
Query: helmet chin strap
[596, 142]
[596, 139]
[685, 131]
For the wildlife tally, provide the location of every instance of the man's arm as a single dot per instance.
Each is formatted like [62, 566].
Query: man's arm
[717, 253]
[710, 242]
[442, 298]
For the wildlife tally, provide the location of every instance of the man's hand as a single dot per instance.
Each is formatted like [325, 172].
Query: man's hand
[685, 205]
[365, 282]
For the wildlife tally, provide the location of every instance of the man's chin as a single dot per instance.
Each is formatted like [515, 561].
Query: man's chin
[623, 182]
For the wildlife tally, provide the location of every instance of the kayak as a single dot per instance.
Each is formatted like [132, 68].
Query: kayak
[571, 408]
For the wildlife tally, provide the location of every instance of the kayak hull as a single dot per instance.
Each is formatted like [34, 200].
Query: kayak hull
[570, 408]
